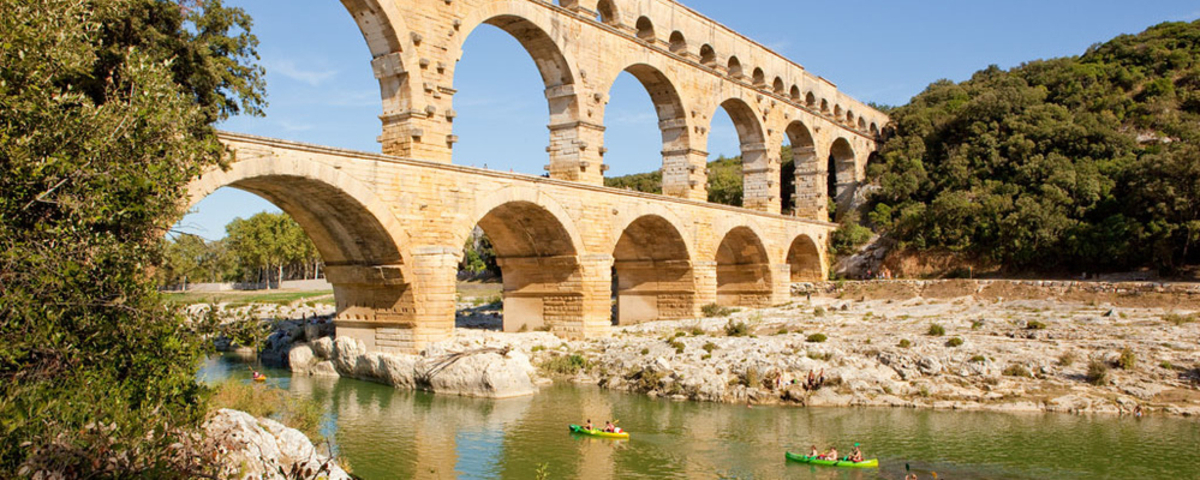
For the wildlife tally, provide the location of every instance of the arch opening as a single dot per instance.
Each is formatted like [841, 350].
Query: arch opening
[810, 100]
[795, 94]
[804, 258]
[476, 118]
[727, 176]
[645, 29]
[539, 267]
[354, 235]
[708, 56]
[841, 178]
[606, 13]
[778, 87]
[760, 78]
[669, 118]
[734, 67]
[732, 181]
[652, 273]
[802, 189]
[678, 43]
[743, 270]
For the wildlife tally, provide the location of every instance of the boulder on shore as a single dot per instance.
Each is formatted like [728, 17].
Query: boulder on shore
[262, 448]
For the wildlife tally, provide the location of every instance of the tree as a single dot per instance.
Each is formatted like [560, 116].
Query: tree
[269, 243]
[106, 113]
[1080, 163]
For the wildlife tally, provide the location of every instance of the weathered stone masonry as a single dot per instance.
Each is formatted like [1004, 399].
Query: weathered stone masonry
[391, 227]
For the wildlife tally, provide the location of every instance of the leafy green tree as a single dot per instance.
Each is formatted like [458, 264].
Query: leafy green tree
[267, 244]
[1080, 163]
[106, 113]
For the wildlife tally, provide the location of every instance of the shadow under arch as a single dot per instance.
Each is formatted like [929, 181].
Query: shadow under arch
[653, 277]
[743, 269]
[805, 260]
[841, 181]
[808, 196]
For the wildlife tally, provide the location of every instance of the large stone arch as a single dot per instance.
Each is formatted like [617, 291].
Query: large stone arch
[805, 259]
[759, 174]
[677, 151]
[484, 204]
[743, 269]
[539, 32]
[364, 248]
[653, 278]
[538, 251]
[842, 170]
[347, 222]
[809, 199]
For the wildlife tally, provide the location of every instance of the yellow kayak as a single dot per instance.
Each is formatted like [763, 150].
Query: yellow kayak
[599, 433]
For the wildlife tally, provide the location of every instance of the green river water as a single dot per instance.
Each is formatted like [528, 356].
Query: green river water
[389, 433]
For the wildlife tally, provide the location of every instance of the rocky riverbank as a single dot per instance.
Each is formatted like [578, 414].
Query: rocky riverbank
[1014, 346]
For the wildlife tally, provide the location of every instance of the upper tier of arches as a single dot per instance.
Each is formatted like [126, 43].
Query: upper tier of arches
[689, 64]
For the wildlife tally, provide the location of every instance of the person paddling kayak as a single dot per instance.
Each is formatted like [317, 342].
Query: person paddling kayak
[814, 453]
[856, 455]
[831, 454]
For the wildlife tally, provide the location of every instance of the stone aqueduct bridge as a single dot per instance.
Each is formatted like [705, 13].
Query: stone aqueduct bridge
[391, 227]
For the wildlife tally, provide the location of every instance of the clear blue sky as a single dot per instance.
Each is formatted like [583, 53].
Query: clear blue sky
[321, 89]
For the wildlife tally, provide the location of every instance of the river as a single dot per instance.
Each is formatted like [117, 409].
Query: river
[389, 433]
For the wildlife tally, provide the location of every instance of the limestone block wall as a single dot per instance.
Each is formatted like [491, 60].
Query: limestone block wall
[391, 230]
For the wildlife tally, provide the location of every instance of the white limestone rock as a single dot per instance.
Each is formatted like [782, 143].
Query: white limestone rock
[260, 448]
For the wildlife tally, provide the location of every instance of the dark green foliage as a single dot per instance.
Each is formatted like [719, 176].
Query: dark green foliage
[565, 364]
[954, 342]
[848, 237]
[978, 359]
[650, 182]
[677, 345]
[270, 247]
[1035, 325]
[709, 347]
[736, 329]
[1097, 372]
[936, 330]
[1127, 360]
[904, 343]
[1015, 370]
[714, 310]
[816, 338]
[106, 109]
[1081, 163]
[725, 181]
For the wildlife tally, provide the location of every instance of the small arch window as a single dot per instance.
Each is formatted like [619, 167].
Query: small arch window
[760, 78]
[645, 29]
[708, 57]
[678, 44]
[735, 67]
[606, 12]
[777, 86]
[810, 100]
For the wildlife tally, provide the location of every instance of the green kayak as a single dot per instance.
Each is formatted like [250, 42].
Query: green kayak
[599, 433]
[872, 463]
